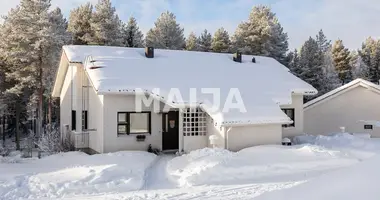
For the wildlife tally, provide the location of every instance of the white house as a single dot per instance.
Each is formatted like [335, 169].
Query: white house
[101, 88]
[354, 106]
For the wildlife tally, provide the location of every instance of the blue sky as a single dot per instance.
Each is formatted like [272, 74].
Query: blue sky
[349, 20]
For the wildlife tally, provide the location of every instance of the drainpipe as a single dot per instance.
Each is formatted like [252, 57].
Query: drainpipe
[226, 137]
[181, 137]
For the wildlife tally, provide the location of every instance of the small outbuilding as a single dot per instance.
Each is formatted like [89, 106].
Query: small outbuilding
[352, 108]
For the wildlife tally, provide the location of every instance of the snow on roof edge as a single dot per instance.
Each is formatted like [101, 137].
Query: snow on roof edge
[339, 89]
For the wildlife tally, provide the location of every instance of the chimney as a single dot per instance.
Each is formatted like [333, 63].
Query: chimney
[149, 52]
[237, 57]
[254, 60]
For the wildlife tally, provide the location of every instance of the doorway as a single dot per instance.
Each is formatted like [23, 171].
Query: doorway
[170, 130]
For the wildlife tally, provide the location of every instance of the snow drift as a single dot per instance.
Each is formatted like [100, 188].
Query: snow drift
[360, 181]
[256, 164]
[357, 145]
[75, 173]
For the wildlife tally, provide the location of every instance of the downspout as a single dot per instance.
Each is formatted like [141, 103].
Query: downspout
[181, 132]
[71, 102]
[226, 137]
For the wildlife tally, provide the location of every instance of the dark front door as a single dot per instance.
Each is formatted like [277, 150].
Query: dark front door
[170, 130]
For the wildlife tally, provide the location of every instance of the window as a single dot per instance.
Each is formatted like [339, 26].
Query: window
[85, 119]
[194, 122]
[73, 120]
[133, 123]
[368, 127]
[290, 113]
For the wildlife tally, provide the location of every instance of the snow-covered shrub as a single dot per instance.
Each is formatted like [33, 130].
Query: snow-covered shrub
[13, 157]
[52, 142]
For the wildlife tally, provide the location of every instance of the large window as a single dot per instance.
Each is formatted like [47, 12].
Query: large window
[290, 113]
[133, 123]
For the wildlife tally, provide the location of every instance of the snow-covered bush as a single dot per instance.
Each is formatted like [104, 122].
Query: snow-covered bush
[52, 142]
[3, 150]
[13, 157]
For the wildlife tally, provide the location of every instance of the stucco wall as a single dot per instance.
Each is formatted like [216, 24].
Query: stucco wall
[112, 142]
[297, 104]
[247, 136]
[345, 110]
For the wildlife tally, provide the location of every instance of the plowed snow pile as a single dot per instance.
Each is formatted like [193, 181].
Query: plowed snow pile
[256, 164]
[74, 173]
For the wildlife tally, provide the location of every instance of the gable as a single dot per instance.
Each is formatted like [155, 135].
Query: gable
[341, 90]
[353, 97]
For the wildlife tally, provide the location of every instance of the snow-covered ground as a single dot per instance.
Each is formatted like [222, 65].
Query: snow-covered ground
[323, 165]
[74, 173]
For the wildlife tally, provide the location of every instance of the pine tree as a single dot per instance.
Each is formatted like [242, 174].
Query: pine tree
[131, 34]
[80, 24]
[205, 40]
[106, 24]
[330, 78]
[192, 43]
[359, 68]
[60, 37]
[261, 35]
[221, 41]
[294, 63]
[341, 60]
[370, 56]
[30, 37]
[311, 64]
[166, 34]
[323, 43]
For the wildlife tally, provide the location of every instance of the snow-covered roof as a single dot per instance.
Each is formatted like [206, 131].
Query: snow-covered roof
[353, 84]
[263, 85]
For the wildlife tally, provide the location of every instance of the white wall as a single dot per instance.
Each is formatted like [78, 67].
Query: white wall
[215, 129]
[66, 98]
[95, 120]
[297, 104]
[247, 136]
[112, 142]
[345, 110]
[195, 142]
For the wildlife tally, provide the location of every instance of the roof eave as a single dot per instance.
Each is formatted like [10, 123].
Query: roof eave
[61, 73]
[337, 91]
[281, 122]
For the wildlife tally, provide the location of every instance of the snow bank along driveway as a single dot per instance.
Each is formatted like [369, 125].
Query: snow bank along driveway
[202, 174]
[256, 164]
[74, 173]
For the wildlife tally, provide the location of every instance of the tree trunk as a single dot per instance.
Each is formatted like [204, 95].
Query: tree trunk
[18, 126]
[49, 113]
[40, 101]
[3, 129]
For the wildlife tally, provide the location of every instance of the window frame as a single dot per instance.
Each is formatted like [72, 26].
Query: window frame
[73, 120]
[85, 120]
[292, 118]
[128, 124]
[368, 127]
